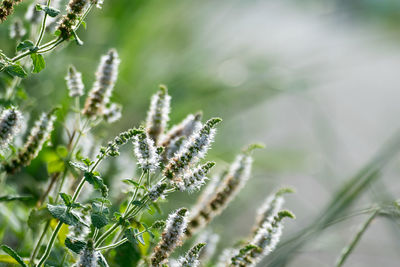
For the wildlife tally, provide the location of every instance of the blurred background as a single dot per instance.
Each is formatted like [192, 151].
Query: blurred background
[316, 81]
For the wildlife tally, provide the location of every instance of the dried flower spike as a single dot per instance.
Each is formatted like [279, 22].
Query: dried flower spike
[75, 10]
[171, 237]
[10, 121]
[74, 82]
[7, 8]
[191, 258]
[158, 115]
[88, 257]
[146, 152]
[39, 134]
[194, 179]
[226, 191]
[194, 149]
[106, 76]
[17, 30]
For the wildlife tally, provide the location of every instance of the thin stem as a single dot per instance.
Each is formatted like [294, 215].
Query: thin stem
[113, 245]
[39, 242]
[51, 48]
[106, 234]
[43, 28]
[347, 250]
[50, 244]
[134, 194]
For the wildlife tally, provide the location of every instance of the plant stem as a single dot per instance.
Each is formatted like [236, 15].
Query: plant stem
[349, 249]
[43, 28]
[106, 234]
[39, 242]
[50, 244]
[113, 245]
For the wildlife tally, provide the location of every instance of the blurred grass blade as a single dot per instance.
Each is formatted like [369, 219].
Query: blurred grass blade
[349, 249]
[340, 203]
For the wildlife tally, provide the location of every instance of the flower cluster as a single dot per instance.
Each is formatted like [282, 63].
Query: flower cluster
[17, 30]
[75, 10]
[192, 151]
[171, 237]
[106, 76]
[74, 82]
[39, 134]
[88, 257]
[146, 152]
[7, 8]
[193, 179]
[232, 183]
[10, 121]
[191, 258]
[158, 115]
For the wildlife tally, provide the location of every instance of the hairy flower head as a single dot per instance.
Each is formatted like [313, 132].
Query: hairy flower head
[158, 115]
[74, 82]
[191, 258]
[10, 122]
[146, 152]
[170, 238]
[194, 179]
[106, 77]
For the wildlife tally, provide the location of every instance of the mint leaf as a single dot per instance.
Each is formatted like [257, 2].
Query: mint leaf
[38, 62]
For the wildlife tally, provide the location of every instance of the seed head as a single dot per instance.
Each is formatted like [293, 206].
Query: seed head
[39, 134]
[158, 115]
[146, 152]
[171, 237]
[10, 122]
[106, 76]
[193, 150]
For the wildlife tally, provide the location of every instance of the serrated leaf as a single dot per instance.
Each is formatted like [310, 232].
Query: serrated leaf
[61, 212]
[137, 203]
[38, 216]
[38, 62]
[15, 70]
[97, 183]
[13, 254]
[74, 244]
[99, 220]
[25, 45]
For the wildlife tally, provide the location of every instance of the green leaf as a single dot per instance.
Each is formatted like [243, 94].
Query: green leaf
[55, 166]
[52, 12]
[74, 244]
[137, 203]
[38, 216]
[9, 198]
[97, 183]
[61, 212]
[38, 62]
[78, 166]
[13, 254]
[66, 198]
[134, 236]
[62, 151]
[131, 182]
[16, 70]
[25, 45]
[99, 215]
[99, 220]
